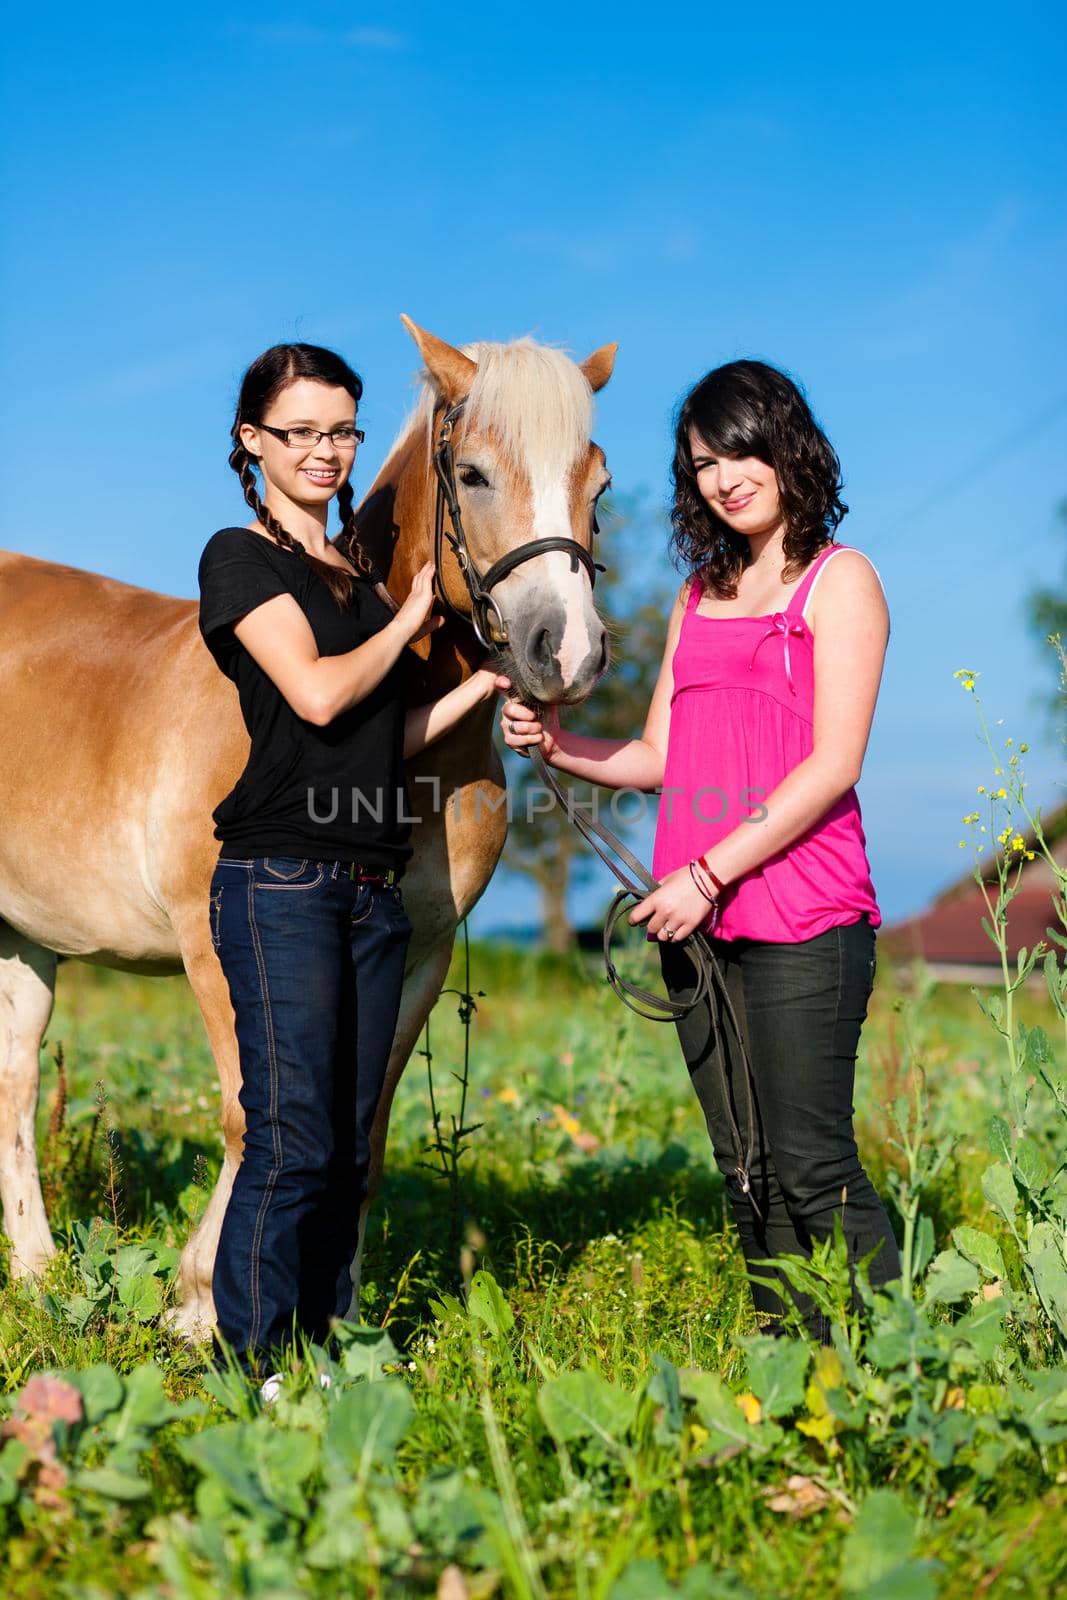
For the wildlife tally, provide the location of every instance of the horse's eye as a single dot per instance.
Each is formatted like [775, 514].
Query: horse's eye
[472, 478]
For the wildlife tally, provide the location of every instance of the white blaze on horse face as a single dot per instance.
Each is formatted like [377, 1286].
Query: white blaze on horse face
[526, 472]
[552, 519]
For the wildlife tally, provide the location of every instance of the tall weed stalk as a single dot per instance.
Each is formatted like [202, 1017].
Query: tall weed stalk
[448, 1147]
[1026, 1183]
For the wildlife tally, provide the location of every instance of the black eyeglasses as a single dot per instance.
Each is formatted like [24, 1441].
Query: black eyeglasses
[306, 438]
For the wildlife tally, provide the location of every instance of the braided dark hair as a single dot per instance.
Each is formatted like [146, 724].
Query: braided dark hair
[262, 383]
[748, 408]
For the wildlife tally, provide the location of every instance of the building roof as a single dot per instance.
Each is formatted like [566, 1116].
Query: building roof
[950, 931]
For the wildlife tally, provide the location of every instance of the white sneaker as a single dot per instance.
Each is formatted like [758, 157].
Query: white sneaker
[271, 1388]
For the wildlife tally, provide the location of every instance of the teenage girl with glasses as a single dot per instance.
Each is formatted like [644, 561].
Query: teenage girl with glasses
[307, 914]
[756, 732]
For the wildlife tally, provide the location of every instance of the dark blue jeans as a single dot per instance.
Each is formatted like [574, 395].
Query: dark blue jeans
[315, 967]
[800, 1008]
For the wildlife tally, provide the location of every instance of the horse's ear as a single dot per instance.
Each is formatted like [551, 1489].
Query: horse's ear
[599, 366]
[451, 370]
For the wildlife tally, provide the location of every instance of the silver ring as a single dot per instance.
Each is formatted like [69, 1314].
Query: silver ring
[509, 724]
[669, 932]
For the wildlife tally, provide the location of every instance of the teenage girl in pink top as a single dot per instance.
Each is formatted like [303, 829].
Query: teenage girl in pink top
[756, 735]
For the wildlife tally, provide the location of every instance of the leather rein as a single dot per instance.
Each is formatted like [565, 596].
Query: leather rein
[635, 880]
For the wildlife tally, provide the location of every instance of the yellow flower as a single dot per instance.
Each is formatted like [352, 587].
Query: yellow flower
[1002, 838]
[1009, 743]
[1024, 748]
[1029, 855]
[568, 1123]
[1002, 794]
[1018, 842]
[750, 1408]
[963, 844]
[981, 788]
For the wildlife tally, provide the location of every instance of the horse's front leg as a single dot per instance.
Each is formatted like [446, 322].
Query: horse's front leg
[195, 1314]
[27, 988]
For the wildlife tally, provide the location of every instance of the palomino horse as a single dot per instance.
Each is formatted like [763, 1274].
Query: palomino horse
[121, 736]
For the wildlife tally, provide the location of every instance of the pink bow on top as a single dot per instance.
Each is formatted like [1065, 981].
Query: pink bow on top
[781, 623]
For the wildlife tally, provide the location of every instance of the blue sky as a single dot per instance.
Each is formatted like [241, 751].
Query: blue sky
[876, 204]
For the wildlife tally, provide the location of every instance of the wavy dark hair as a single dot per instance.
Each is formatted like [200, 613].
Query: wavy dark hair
[747, 408]
[265, 379]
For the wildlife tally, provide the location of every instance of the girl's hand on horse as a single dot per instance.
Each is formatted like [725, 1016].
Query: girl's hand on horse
[415, 619]
[487, 675]
[521, 728]
[677, 905]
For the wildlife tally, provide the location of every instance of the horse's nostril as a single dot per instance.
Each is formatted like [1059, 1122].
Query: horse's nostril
[539, 650]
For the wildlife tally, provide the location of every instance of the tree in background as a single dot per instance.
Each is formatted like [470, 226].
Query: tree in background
[635, 604]
[1046, 615]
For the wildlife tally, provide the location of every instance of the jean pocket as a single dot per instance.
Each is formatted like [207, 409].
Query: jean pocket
[285, 872]
[283, 867]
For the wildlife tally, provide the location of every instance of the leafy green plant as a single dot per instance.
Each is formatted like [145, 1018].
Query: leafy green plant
[114, 1277]
[82, 1436]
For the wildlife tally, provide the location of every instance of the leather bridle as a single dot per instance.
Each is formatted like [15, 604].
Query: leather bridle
[485, 616]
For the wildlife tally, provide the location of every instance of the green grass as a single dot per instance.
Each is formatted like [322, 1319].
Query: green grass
[553, 1407]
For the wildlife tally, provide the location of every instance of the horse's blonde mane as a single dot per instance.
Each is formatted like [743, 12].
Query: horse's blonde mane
[533, 397]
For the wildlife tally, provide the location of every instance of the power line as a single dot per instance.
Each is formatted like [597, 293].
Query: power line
[984, 463]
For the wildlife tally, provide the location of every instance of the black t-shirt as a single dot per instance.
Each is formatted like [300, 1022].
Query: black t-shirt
[329, 794]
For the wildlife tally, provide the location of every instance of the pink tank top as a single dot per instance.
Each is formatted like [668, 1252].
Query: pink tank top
[742, 717]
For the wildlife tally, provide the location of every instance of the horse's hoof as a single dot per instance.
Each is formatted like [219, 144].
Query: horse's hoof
[33, 1262]
[190, 1320]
